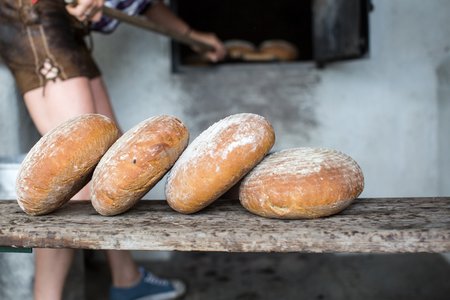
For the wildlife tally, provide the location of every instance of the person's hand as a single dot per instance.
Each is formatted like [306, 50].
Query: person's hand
[211, 39]
[85, 10]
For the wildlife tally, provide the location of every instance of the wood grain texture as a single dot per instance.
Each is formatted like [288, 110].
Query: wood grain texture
[369, 225]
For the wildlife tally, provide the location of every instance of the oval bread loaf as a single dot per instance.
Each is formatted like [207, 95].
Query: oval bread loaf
[302, 183]
[136, 162]
[218, 158]
[62, 162]
[279, 49]
[237, 48]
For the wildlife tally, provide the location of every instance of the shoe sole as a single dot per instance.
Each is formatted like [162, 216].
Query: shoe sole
[180, 290]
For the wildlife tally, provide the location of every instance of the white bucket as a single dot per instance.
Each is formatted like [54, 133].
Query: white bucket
[9, 168]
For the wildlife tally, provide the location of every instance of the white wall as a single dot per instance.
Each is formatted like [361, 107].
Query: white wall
[389, 111]
[383, 111]
[17, 134]
[444, 125]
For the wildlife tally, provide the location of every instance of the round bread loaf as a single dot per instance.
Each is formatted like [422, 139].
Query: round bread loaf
[217, 159]
[62, 162]
[279, 50]
[136, 162]
[236, 49]
[302, 183]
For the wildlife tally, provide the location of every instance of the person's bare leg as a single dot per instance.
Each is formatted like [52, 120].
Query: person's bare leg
[124, 271]
[52, 267]
[101, 99]
[62, 101]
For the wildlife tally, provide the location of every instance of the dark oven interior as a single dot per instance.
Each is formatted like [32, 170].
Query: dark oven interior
[318, 30]
[248, 20]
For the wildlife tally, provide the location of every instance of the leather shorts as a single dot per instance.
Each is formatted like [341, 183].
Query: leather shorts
[42, 42]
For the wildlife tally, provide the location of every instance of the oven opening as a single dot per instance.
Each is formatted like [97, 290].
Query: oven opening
[268, 31]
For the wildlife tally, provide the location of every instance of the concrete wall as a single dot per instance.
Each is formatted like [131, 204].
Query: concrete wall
[383, 111]
[17, 131]
[386, 111]
[389, 112]
[443, 73]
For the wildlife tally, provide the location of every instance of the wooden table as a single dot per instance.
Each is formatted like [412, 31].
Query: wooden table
[369, 225]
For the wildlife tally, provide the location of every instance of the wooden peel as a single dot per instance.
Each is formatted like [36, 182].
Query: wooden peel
[147, 24]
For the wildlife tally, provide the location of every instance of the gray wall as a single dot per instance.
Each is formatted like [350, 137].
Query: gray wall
[383, 111]
[387, 111]
[444, 125]
[390, 112]
[17, 131]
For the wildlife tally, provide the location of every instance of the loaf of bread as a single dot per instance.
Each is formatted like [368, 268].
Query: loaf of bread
[217, 159]
[236, 49]
[136, 162]
[62, 162]
[302, 183]
[259, 57]
[279, 50]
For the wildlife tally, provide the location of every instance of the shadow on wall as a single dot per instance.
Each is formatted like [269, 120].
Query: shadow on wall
[283, 94]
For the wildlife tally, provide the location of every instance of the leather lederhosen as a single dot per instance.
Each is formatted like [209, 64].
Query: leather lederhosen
[41, 42]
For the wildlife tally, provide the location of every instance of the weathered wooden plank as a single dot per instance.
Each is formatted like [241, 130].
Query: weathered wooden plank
[369, 225]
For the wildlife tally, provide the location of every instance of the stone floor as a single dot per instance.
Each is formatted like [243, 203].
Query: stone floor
[267, 276]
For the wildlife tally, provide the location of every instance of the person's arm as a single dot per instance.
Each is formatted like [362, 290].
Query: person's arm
[162, 15]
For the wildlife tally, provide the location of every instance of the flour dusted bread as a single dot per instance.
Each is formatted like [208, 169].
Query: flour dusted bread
[236, 49]
[136, 162]
[217, 159]
[302, 183]
[62, 162]
[279, 50]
